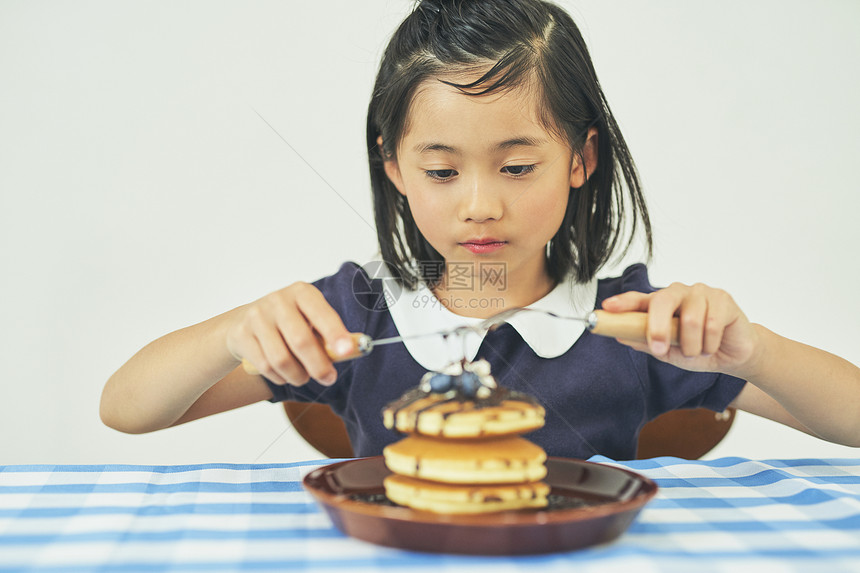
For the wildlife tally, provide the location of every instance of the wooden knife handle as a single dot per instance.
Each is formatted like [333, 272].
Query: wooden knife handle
[626, 325]
[361, 347]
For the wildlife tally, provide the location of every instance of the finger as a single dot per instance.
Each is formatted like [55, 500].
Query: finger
[326, 321]
[719, 311]
[254, 355]
[279, 359]
[243, 346]
[643, 347]
[251, 341]
[694, 310]
[661, 308]
[635, 344]
[626, 302]
[307, 348]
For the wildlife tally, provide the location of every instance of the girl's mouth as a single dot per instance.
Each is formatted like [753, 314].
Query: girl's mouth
[483, 246]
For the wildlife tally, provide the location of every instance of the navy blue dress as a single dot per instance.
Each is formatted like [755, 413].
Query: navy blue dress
[597, 395]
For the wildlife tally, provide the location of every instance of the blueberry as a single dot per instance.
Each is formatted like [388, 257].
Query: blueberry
[441, 383]
[468, 383]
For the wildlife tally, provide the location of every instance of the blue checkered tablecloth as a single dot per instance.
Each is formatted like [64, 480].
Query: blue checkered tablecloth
[728, 515]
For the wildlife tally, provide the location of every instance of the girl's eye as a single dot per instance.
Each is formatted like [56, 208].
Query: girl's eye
[518, 170]
[440, 174]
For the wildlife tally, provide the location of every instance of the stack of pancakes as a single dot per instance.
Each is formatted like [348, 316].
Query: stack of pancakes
[463, 453]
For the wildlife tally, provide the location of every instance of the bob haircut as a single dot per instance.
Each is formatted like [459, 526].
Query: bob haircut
[530, 43]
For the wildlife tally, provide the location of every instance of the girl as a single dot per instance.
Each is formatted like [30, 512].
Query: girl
[500, 179]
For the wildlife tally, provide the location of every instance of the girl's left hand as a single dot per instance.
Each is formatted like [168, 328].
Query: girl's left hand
[715, 335]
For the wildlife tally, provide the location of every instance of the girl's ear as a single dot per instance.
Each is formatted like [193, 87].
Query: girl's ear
[392, 169]
[579, 174]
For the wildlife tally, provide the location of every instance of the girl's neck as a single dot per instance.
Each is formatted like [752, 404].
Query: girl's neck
[480, 291]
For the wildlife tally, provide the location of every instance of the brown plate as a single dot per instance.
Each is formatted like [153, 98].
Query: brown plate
[590, 503]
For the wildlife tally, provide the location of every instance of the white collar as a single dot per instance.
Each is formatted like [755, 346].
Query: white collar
[419, 312]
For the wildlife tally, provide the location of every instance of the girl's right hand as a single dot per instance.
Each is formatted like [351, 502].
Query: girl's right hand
[284, 335]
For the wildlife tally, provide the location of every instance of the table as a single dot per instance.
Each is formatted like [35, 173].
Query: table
[726, 515]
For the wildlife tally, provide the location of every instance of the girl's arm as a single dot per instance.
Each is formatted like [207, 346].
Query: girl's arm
[792, 383]
[195, 372]
[820, 390]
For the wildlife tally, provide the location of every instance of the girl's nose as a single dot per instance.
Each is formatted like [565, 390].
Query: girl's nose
[480, 202]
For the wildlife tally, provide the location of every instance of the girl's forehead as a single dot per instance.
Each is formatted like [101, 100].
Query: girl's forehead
[438, 108]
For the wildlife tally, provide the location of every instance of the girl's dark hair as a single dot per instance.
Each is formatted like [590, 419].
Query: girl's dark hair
[527, 42]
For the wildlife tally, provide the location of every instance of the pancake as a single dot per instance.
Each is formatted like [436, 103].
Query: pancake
[460, 499]
[463, 453]
[430, 414]
[467, 461]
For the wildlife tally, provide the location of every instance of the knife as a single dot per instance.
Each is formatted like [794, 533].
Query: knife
[627, 325]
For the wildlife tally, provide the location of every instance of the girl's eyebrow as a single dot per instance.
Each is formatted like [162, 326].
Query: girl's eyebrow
[522, 141]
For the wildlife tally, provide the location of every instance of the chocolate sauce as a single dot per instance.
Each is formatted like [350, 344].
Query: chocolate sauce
[555, 502]
[496, 398]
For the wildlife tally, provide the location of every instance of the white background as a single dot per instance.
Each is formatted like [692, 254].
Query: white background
[141, 192]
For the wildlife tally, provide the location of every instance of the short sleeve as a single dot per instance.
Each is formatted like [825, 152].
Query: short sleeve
[634, 278]
[666, 386]
[672, 388]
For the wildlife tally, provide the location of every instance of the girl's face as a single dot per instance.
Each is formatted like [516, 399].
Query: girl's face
[484, 180]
